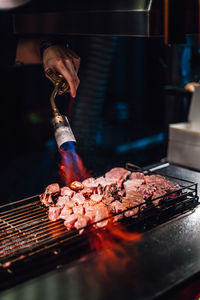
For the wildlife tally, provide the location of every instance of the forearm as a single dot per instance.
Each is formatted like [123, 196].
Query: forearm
[55, 56]
[28, 52]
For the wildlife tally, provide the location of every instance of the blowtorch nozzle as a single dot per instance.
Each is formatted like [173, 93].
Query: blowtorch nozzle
[62, 130]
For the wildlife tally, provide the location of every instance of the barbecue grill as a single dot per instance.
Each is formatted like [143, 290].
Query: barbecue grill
[28, 238]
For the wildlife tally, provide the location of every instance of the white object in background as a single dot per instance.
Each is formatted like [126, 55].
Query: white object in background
[11, 4]
[184, 138]
[194, 112]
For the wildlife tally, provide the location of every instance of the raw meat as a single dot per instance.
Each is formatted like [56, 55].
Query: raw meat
[93, 199]
[54, 213]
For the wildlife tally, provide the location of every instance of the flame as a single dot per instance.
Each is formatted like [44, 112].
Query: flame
[71, 167]
[112, 242]
[113, 239]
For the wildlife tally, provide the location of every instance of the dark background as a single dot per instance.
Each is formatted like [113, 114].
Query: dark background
[130, 108]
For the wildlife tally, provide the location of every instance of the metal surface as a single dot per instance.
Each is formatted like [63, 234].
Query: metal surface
[24, 228]
[88, 17]
[58, 80]
[32, 244]
[115, 17]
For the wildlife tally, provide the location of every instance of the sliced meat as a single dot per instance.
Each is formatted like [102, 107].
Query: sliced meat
[101, 212]
[53, 188]
[162, 186]
[65, 212]
[133, 196]
[100, 189]
[146, 190]
[86, 192]
[133, 184]
[171, 186]
[91, 213]
[90, 183]
[62, 201]
[50, 195]
[46, 199]
[79, 209]
[78, 198]
[127, 204]
[117, 206]
[108, 200]
[66, 191]
[137, 175]
[110, 190]
[54, 213]
[117, 175]
[122, 193]
[160, 181]
[96, 198]
[103, 181]
[158, 194]
[70, 220]
[81, 222]
[155, 178]
[93, 199]
[88, 204]
[69, 203]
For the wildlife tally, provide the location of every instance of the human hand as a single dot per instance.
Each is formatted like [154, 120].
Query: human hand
[190, 87]
[63, 61]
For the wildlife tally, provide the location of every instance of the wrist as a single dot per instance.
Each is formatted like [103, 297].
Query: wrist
[46, 43]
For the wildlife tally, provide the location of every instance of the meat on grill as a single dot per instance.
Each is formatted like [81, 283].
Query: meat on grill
[50, 194]
[118, 192]
[54, 212]
[117, 175]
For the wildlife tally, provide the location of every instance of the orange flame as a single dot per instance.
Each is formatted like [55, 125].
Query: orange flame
[112, 241]
[71, 167]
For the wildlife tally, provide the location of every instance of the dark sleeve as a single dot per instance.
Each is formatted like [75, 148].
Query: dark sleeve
[8, 47]
[8, 41]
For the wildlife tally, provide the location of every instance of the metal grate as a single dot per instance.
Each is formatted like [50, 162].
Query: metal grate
[25, 229]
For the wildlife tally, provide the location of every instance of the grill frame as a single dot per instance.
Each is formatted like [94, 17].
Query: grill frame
[40, 246]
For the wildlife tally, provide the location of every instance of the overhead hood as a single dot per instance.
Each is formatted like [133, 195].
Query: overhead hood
[141, 18]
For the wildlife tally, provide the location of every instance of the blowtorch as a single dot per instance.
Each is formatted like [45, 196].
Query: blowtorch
[71, 167]
[62, 129]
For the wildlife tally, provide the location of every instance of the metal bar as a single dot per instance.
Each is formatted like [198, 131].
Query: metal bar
[133, 166]
[20, 207]
[26, 217]
[19, 201]
[48, 230]
[36, 234]
[47, 226]
[31, 243]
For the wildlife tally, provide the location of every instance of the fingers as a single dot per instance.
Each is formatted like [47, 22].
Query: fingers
[65, 62]
[67, 70]
[75, 59]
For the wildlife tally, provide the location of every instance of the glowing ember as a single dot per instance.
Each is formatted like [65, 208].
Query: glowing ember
[71, 167]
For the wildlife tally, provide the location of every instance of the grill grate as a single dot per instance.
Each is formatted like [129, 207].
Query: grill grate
[24, 226]
[25, 229]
